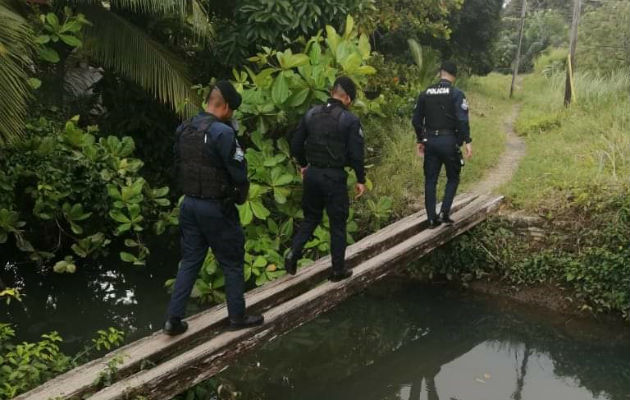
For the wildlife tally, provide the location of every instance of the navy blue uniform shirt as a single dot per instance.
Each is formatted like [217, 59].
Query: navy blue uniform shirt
[461, 113]
[350, 126]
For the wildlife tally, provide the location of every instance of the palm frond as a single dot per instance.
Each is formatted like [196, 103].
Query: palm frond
[115, 43]
[16, 41]
[190, 12]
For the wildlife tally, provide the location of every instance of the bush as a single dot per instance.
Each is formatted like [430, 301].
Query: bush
[27, 365]
[277, 90]
[585, 251]
[65, 188]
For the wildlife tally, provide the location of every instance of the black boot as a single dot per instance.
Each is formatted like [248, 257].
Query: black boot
[290, 262]
[175, 326]
[434, 223]
[246, 321]
[336, 276]
[444, 218]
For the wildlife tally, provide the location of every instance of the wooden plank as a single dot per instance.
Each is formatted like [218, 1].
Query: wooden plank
[198, 364]
[158, 347]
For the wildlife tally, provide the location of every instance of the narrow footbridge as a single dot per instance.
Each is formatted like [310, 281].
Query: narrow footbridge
[159, 366]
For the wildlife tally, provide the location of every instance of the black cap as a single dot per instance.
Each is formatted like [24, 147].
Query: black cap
[347, 85]
[229, 93]
[449, 67]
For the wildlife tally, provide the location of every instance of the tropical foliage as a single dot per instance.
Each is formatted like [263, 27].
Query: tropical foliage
[110, 40]
[67, 188]
[277, 89]
[26, 365]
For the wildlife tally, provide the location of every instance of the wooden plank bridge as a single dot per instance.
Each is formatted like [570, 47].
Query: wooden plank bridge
[159, 366]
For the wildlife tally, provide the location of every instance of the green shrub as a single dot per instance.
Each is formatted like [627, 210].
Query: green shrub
[24, 366]
[65, 188]
[277, 90]
[585, 251]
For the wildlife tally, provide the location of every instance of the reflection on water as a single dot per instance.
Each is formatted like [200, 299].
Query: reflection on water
[406, 341]
[107, 293]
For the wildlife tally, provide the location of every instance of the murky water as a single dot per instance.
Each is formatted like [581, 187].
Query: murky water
[397, 340]
[402, 340]
[104, 293]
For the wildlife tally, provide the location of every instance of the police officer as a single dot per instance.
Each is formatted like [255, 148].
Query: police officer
[212, 173]
[441, 124]
[328, 138]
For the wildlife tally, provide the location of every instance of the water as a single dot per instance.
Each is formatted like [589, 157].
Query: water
[397, 340]
[100, 294]
[404, 340]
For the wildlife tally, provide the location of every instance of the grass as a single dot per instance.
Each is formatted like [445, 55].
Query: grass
[581, 148]
[397, 170]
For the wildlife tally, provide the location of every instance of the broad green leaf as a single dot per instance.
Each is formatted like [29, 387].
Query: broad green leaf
[60, 266]
[366, 70]
[121, 229]
[127, 257]
[42, 39]
[34, 83]
[114, 192]
[298, 98]
[295, 60]
[53, 21]
[364, 46]
[70, 40]
[260, 262]
[73, 26]
[48, 54]
[332, 38]
[247, 273]
[280, 194]
[259, 210]
[349, 27]
[352, 63]
[118, 216]
[280, 89]
[76, 229]
[245, 213]
[315, 53]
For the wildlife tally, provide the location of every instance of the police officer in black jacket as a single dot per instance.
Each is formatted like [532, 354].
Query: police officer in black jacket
[212, 173]
[441, 124]
[328, 138]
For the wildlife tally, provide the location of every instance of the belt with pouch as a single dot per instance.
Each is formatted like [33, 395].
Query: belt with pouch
[440, 132]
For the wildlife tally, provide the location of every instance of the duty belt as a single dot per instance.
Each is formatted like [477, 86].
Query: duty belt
[218, 198]
[325, 166]
[439, 132]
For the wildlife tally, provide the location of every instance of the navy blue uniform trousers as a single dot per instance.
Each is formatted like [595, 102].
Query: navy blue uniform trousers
[440, 150]
[206, 223]
[325, 188]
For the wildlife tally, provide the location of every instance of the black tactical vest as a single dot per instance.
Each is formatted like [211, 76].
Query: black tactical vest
[198, 176]
[325, 143]
[439, 108]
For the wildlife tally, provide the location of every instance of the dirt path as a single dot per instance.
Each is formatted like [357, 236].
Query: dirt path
[508, 163]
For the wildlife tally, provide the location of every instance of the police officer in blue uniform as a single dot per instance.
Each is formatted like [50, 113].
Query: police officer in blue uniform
[328, 138]
[440, 120]
[212, 173]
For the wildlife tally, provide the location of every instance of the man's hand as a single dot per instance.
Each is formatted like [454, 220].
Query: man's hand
[302, 171]
[360, 189]
[420, 149]
[468, 154]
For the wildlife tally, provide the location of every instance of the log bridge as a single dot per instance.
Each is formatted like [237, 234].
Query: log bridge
[160, 367]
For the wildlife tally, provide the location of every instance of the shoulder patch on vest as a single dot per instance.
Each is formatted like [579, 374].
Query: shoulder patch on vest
[464, 104]
[239, 155]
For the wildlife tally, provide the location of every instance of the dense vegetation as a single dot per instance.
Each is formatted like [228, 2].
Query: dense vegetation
[93, 90]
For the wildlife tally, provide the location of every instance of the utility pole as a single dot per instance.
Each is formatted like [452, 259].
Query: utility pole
[568, 88]
[520, 42]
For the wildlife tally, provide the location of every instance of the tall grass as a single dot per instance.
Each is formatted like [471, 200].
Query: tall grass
[584, 145]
